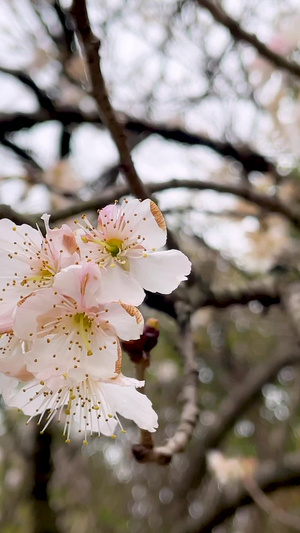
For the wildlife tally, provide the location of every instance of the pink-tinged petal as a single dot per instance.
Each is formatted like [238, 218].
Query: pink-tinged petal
[12, 362]
[130, 403]
[9, 387]
[161, 271]
[80, 282]
[126, 319]
[147, 220]
[120, 285]
[28, 312]
[6, 322]
[63, 245]
[110, 213]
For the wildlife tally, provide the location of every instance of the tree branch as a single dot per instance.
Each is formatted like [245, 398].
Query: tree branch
[189, 416]
[250, 160]
[270, 477]
[42, 97]
[239, 34]
[269, 203]
[91, 45]
[237, 401]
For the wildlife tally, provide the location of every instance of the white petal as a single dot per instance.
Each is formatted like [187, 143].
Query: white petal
[12, 360]
[28, 312]
[145, 223]
[120, 285]
[130, 403]
[102, 364]
[10, 233]
[52, 356]
[81, 282]
[128, 323]
[161, 271]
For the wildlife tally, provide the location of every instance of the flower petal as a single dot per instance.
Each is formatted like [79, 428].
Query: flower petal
[161, 271]
[130, 403]
[127, 320]
[120, 285]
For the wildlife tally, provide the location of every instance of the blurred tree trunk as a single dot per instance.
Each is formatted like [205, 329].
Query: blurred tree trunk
[44, 516]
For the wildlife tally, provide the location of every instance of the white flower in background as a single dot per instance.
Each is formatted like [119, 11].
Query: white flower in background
[69, 328]
[90, 406]
[125, 245]
[230, 469]
[30, 261]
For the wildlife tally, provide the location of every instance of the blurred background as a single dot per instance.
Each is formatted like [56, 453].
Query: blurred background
[203, 105]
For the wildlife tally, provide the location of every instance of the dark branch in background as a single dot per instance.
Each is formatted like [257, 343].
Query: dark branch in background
[269, 203]
[189, 416]
[66, 25]
[91, 45]
[42, 97]
[237, 401]
[264, 291]
[44, 516]
[23, 154]
[250, 160]
[65, 140]
[270, 477]
[264, 503]
[239, 34]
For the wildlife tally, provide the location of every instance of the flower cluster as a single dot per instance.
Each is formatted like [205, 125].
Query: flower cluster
[66, 303]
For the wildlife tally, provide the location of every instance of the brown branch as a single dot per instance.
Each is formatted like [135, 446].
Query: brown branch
[269, 203]
[189, 415]
[265, 291]
[291, 301]
[233, 405]
[249, 159]
[264, 503]
[42, 97]
[239, 34]
[44, 516]
[91, 45]
[270, 477]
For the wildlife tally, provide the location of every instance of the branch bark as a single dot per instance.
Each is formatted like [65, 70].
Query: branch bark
[239, 34]
[237, 401]
[270, 477]
[269, 203]
[249, 159]
[91, 45]
[190, 412]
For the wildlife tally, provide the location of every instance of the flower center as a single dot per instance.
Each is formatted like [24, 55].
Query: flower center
[84, 324]
[113, 246]
[44, 275]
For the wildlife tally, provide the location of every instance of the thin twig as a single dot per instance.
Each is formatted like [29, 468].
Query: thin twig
[239, 34]
[264, 503]
[234, 404]
[91, 45]
[190, 412]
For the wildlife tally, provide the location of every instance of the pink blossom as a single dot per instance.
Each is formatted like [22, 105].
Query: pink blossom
[125, 244]
[70, 328]
[30, 261]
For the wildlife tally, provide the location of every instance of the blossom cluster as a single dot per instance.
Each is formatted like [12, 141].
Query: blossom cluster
[67, 300]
